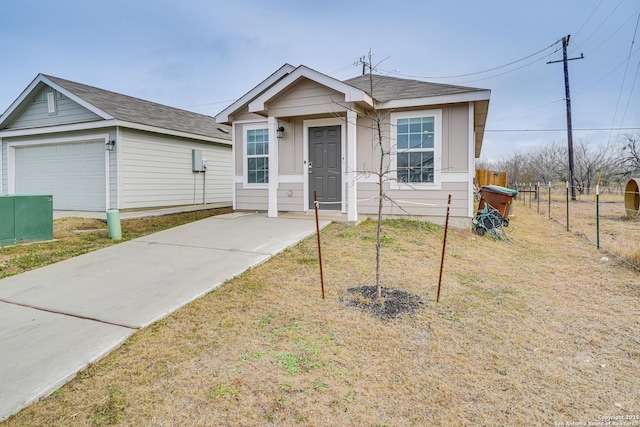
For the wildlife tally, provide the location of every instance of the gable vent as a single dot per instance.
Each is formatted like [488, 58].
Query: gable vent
[51, 102]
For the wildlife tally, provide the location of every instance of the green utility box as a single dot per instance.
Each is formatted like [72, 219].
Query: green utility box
[25, 218]
[7, 221]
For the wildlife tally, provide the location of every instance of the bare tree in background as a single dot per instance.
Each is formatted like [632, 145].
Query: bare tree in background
[629, 159]
[548, 163]
[592, 162]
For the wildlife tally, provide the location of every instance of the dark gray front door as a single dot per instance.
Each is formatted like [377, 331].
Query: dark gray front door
[325, 174]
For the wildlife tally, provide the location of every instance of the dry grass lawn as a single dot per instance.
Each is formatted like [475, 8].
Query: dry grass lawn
[537, 332]
[619, 233]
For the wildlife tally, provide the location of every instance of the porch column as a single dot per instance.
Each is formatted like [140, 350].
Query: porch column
[352, 142]
[273, 168]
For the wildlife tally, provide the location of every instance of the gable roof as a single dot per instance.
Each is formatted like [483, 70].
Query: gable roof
[351, 93]
[388, 93]
[126, 109]
[223, 116]
[387, 88]
[393, 92]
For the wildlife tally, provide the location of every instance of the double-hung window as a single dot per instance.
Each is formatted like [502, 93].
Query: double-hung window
[416, 136]
[257, 155]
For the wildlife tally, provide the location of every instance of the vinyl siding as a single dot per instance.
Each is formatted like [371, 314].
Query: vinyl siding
[437, 198]
[37, 115]
[368, 151]
[251, 199]
[307, 97]
[455, 151]
[246, 115]
[293, 202]
[157, 171]
[292, 152]
[454, 155]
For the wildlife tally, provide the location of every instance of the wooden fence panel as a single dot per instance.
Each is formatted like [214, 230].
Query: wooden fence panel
[487, 177]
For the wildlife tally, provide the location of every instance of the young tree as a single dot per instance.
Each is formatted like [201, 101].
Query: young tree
[383, 167]
[383, 172]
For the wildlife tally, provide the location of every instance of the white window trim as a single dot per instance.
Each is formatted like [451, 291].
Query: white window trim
[245, 163]
[437, 150]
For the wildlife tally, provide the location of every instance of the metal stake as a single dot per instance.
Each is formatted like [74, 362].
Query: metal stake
[597, 216]
[315, 204]
[549, 199]
[567, 205]
[444, 245]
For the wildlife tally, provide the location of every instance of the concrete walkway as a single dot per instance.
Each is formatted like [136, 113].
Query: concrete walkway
[56, 320]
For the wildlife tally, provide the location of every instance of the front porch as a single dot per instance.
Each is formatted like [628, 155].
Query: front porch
[329, 167]
[328, 215]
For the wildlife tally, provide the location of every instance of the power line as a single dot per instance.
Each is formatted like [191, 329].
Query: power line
[528, 111]
[477, 72]
[633, 39]
[614, 33]
[603, 22]
[577, 93]
[588, 19]
[630, 93]
[608, 74]
[501, 74]
[559, 129]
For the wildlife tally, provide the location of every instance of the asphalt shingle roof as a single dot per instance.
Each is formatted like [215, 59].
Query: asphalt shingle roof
[387, 88]
[135, 110]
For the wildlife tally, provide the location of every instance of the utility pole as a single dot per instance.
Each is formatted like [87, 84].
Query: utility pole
[565, 43]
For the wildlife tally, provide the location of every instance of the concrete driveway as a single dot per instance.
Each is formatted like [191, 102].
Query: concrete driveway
[56, 320]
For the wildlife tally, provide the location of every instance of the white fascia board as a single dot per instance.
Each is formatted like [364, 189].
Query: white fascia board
[25, 93]
[34, 84]
[351, 94]
[75, 98]
[56, 129]
[106, 124]
[147, 128]
[223, 116]
[482, 95]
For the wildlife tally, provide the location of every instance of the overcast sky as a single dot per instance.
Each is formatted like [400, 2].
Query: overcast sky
[201, 55]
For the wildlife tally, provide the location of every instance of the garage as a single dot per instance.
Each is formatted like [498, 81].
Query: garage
[74, 173]
[95, 150]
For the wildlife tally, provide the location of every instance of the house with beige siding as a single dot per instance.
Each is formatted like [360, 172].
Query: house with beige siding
[300, 131]
[95, 150]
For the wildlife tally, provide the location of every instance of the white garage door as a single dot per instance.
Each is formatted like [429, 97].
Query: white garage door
[74, 173]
